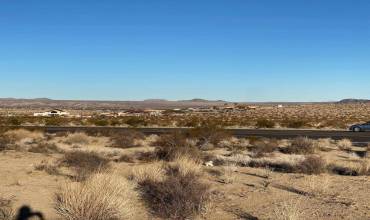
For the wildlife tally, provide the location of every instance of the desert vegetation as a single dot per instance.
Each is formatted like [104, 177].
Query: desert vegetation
[316, 116]
[204, 173]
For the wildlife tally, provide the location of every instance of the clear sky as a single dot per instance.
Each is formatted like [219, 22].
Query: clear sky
[237, 50]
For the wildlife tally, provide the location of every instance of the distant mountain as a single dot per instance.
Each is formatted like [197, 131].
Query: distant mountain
[349, 101]
[201, 100]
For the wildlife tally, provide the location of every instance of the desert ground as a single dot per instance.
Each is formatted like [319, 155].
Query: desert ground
[203, 174]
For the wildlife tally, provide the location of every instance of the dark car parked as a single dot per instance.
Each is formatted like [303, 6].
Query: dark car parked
[360, 127]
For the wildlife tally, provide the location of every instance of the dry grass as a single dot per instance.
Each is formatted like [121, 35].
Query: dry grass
[154, 172]
[344, 144]
[49, 168]
[101, 197]
[170, 147]
[22, 134]
[228, 173]
[127, 139]
[312, 164]
[289, 210]
[318, 185]
[263, 147]
[353, 168]
[77, 138]
[187, 165]
[6, 208]
[300, 145]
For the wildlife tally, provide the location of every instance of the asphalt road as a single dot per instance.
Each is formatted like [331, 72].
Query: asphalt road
[268, 133]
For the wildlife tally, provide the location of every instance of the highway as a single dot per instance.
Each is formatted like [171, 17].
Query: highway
[268, 133]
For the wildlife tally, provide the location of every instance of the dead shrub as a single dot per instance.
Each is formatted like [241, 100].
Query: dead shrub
[44, 148]
[300, 145]
[344, 144]
[51, 169]
[84, 163]
[77, 138]
[359, 167]
[127, 139]
[21, 134]
[124, 158]
[101, 197]
[146, 156]
[6, 209]
[264, 123]
[312, 165]
[288, 123]
[178, 196]
[208, 133]
[263, 147]
[4, 143]
[171, 146]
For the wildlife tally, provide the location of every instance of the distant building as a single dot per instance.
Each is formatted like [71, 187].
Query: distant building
[54, 112]
[153, 112]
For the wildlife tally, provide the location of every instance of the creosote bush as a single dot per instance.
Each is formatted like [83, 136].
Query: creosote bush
[84, 163]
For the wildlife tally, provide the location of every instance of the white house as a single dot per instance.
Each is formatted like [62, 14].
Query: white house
[54, 112]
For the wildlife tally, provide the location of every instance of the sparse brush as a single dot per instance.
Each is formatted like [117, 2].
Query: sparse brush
[84, 163]
[300, 145]
[186, 165]
[6, 208]
[357, 168]
[127, 139]
[154, 172]
[77, 138]
[178, 196]
[312, 165]
[318, 184]
[51, 169]
[344, 144]
[101, 197]
[265, 123]
[44, 148]
[209, 133]
[4, 143]
[324, 144]
[21, 134]
[169, 147]
[263, 147]
[289, 210]
[229, 175]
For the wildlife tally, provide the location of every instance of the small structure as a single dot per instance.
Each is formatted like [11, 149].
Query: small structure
[153, 112]
[54, 112]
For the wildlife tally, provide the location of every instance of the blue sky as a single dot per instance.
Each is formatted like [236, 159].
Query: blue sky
[237, 50]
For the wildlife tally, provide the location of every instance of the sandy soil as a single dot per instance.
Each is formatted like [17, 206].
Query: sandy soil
[252, 192]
